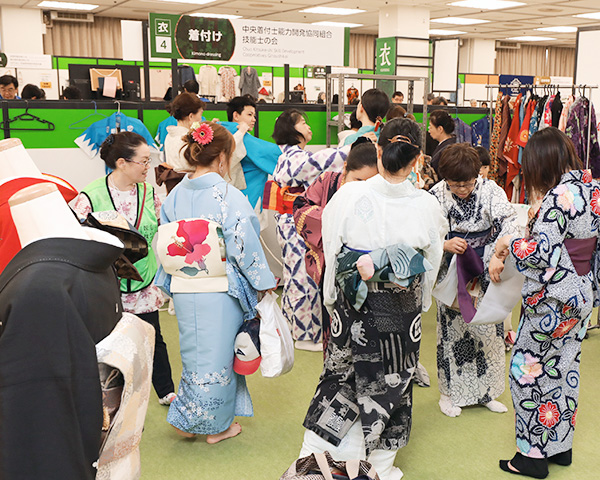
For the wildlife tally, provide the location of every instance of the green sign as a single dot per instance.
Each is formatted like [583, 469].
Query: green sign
[198, 38]
[385, 56]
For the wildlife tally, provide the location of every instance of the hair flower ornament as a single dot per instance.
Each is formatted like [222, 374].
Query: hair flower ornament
[203, 135]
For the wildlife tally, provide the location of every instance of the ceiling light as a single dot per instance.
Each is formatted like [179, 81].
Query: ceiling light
[486, 4]
[558, 29]
[531, 38]
[215, 15]
[338, 24]
[459, 20]
[593, 16]
[196, 2]
[67, 5]
[445, 32]
[332, 11]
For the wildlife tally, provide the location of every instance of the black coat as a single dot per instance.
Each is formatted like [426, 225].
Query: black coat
[437, 154]
[58, 298]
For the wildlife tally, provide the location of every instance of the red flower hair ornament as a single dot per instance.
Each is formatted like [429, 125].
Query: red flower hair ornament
[203, 135]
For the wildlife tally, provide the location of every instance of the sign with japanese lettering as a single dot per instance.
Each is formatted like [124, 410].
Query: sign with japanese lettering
[385, 56]
[244, 42]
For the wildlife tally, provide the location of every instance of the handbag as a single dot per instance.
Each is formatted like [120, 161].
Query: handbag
[276, 343]
[321, 466]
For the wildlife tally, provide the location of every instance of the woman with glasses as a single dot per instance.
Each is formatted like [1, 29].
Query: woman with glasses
[470, 358]
[126, 191]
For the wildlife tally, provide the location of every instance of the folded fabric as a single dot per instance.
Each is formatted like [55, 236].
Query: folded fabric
[398, 264]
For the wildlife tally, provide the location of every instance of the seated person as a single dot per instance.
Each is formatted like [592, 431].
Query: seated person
[9, 87]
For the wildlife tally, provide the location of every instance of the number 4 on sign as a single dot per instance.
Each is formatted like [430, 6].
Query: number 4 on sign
[163, 45]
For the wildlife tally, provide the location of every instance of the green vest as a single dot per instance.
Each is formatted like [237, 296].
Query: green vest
[101, 201]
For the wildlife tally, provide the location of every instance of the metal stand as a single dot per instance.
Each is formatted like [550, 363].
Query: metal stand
[342, 77]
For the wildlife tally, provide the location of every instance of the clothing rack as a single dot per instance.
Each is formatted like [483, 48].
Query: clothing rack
[531, 86]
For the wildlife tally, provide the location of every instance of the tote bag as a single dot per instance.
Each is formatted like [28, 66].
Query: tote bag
[276, 343]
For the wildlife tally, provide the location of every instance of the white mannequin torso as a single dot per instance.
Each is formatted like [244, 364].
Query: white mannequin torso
[15, 162]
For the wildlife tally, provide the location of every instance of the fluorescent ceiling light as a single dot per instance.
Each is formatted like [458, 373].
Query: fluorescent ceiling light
[486, 4]
[558, 29]
[459, 20]
[338, 24]
[593, 16]
[531, 38]
[445, 32]
[67, 5]
[215, 15]
[195, 2]
[332, 11]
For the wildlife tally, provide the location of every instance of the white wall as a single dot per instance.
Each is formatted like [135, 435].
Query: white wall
[21, 30]
[477, 56]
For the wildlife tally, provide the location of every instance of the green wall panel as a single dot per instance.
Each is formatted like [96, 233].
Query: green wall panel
[63, 62]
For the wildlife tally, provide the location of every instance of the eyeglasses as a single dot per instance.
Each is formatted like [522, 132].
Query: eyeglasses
[459, 186]
[145, 163]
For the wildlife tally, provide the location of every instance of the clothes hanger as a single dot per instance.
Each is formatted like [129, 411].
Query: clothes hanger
[73, 125]
[28, 117]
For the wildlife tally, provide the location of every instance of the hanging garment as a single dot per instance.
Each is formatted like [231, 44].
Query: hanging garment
[208, 80]
[210, 392]
[90, 140]
[534, 121]
[564, 116]
[462, 131]
[58, 298]
[525, 126]
[480, 133]
[186, 73]
[558, 296]
[546, 120]
[577, 130]
[556, 110]
[505, 128]
[495, 139]
[249, 83]
[352, 94]
[258, 163]
[162, 133]
[511, 149]
[300, 301]
[9, 238]
[470, 358]
[227, 75]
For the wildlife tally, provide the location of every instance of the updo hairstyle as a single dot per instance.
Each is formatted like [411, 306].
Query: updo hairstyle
[184, 104]
[440, 118]
[198, 155]
[400, 141]
[120, 145]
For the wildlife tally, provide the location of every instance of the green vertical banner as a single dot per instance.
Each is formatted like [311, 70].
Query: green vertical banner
[385, 56]
[162, 35]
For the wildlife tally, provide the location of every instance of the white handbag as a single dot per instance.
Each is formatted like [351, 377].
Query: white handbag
[276, 343]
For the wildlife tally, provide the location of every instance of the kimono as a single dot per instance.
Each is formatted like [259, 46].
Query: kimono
[480, 133]
[462, 131]
[437, 153]
[350, 139]
[470, 358]
[373, 352]
[58, 298]
[577, 130]
[300, 301]
[560, 264]
[210, 393]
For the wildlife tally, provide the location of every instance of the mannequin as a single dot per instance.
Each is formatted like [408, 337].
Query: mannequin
[18, 171]
[59, 296]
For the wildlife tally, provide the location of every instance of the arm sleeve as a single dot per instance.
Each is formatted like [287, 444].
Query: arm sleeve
[438, 228]
[332, 230]
[503, 214]
[162, 279]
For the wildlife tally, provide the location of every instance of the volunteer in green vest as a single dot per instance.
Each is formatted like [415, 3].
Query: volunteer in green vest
[126, 191]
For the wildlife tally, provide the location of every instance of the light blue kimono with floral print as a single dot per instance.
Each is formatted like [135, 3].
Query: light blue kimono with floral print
[211, 394]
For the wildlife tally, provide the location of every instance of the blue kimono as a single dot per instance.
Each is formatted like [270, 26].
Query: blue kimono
[211, 394]
[161, 133]
[350, 139]
[260, 162]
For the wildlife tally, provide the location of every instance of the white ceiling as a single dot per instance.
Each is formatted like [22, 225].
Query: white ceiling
[509, 22]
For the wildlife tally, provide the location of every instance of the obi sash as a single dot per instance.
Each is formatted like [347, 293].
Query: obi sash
[397, 264]
[581, 251]
[280, 199]
[192, 251]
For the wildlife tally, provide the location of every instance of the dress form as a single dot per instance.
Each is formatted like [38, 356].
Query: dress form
[15, 162]
[39, 211]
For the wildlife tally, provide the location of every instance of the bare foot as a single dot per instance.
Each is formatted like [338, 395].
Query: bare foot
[184, 434]
[233, 430]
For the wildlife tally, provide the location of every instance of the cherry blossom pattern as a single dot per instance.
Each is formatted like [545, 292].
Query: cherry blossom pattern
[548, 414]
[523, 248]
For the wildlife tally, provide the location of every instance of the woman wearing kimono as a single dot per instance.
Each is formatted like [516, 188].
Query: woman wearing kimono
[470, 358]
[298, 168]
[557, 259]
[360, 165]
[379, 273]
[213, 265]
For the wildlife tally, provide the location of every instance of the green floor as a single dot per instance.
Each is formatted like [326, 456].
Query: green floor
[467, 447]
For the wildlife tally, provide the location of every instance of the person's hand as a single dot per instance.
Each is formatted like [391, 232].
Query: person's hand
[371, 136]
[365, 267]
[243, 127]
[502, 245]
[496, 268]
[216, 120]
[455, 245]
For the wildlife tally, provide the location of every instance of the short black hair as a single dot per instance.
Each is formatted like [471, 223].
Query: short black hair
[71, 93]
[376, 103]
[191, 86]
[284, 132]
[8, 79]
[30, 90]
[459, 163]
[361, 155]
[237, 104]
[398, 94]
[354, 122]
[484, 156]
